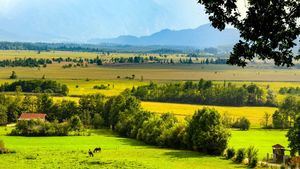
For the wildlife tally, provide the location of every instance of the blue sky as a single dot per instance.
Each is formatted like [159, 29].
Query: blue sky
[80, 20]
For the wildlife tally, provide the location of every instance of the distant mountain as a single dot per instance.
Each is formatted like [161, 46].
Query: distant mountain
[201, 37]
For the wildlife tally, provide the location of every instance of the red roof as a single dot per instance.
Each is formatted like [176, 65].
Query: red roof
[31, 116]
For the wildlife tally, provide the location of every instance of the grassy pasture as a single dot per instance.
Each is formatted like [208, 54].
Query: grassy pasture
[261, 139]
[155, 72]
[71, 152]
[258, 72]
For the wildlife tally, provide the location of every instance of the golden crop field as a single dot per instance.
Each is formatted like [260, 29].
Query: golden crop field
[254, 114]
[147, 71]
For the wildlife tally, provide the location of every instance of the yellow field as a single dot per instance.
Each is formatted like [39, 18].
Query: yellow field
[254, 114]
[148, 71]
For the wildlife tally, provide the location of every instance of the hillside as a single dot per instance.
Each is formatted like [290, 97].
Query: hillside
[201, 37]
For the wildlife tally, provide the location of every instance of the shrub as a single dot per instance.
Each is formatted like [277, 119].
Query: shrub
[40, 128]
[101, 87]
[230, 153]
[253, 163]
[252, 156]
[240, 155]
[242, 123]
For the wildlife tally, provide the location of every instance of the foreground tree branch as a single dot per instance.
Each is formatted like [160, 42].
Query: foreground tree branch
[268, 32]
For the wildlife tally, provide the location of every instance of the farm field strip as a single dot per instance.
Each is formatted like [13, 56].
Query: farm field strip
[154, 72]
[254, 114]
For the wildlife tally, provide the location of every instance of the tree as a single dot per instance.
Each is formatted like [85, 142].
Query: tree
[44, 104]
[98, 121]
[265, 120]
[293, 136]
[29, 104]
[65, 90]
[268, 29]
[75, 123]
[13, 75]
[242, 123]
[206, 133]
[271, 98]
[3, 115]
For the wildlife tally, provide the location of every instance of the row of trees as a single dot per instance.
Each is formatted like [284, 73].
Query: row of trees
[35, 86]
[290, 90]
[203, 132]
[25, 62]
[205, 92]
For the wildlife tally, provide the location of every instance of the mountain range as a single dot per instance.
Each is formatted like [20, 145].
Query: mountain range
[202, 37]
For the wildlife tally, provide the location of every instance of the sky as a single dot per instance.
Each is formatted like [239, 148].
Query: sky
[81, 20]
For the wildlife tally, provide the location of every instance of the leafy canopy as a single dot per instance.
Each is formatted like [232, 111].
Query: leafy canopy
[268, 31]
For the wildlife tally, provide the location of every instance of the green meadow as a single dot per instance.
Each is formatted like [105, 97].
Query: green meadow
[71, 151]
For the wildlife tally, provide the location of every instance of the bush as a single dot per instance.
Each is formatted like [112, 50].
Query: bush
[253, 163]
[240, 155]
[252, 156]
[101, 87]
[40, 128]
[230, 153]
[242, 123]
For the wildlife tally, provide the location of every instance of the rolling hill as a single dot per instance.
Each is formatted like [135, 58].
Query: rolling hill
[201, 37]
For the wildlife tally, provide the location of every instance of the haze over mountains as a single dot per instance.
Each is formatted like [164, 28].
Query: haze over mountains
[202, 37]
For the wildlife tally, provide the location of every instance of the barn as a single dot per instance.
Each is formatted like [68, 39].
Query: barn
[32, 116]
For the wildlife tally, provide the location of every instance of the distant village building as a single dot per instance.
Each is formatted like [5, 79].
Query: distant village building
[32, 116]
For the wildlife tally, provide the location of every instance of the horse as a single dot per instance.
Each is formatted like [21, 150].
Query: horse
[96, 150]
[91, 153]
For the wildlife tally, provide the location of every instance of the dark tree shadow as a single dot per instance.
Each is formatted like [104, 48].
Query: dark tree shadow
[185, 154]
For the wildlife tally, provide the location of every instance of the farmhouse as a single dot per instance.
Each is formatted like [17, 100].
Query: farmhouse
[32, 116]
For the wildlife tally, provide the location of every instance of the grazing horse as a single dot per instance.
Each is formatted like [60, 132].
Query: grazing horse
[91, 153]
[96, 150]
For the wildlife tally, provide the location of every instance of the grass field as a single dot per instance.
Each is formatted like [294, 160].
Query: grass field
[71, 152]
[156, 72]
[261, 139]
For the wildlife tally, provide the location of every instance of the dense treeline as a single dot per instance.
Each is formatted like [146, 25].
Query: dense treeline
[290, 90]
[26, 62]
[81, 62]
[287, 113]
[124, 115]
[35, 86]
[92, 48]
[205, 92]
